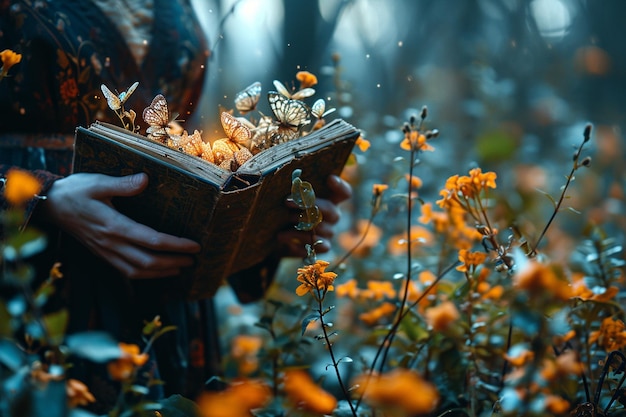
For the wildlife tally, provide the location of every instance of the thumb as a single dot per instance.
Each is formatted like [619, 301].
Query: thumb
[107, 186]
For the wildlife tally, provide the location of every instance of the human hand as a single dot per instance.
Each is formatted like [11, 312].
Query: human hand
[292, 241]
[80, 205]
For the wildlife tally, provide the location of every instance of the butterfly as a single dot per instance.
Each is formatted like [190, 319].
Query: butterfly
[246, 100]
[319, 109]
[157, 115]
[289, 113]
[115, 101]
[238, 136]
[298, 95]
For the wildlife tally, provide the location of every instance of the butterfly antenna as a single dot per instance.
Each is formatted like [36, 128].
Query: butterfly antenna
[220, 27]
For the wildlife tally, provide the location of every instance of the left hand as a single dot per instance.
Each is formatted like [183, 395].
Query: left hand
[292, 241]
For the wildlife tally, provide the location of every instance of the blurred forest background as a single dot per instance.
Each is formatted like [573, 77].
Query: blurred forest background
[510, 85]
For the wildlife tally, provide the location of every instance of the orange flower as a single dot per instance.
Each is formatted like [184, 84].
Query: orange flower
[348, 289]
[20, 186]
[520, 357]
[313, 279]
[235, 401]
[244, 350]
[441, 316]
[400, 390]
[122, 368]
[374, 316]
[78, 393]
[306, 79]
[564, 365]
[306, 394]
[416, 182]
[69, 90]
[8, 58]
[556, 405]
[582, 291]
[470, 260]
[363, 143]
[467, 186]
[348, 240]
[377, 290]
[611, 335]
[379, 189]
[415, 141]
[419, 235]
[541, 280]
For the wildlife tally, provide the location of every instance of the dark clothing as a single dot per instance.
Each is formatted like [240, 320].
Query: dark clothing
[69, 48]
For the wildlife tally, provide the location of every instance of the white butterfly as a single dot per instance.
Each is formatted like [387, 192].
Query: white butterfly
[115, 101]
[319, 109]
[247, 99]
[289, 113]
[298, 95]
[157, 115]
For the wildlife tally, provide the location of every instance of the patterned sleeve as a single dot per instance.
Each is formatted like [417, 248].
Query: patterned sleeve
[46, 179]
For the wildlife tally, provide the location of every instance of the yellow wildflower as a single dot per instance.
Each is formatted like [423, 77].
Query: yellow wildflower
[122, 368]
[349, 239]
[441, 316]
[396, 391]
[470, 260]
[556, 405]
[419, 235]
[314, 279]
[374, 316]
[377, 290]
[306, 79]
[363, 144]
[611, 335]
[235, 401]
[8, 58]
[348, 289]
[78, 394]
[415, 141]
[306, 394]
[540, 280]
[20, 186]
[244, 350]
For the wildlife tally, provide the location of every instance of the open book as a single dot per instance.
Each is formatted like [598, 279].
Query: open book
[235, 216]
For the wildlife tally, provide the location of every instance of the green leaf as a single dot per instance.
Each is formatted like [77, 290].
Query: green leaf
[179, 406]
[56, 325]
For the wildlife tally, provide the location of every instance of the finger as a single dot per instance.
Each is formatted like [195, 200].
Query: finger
[330, 211]
[340, 190]
[127, 229]
[135, 263]
[106, 186]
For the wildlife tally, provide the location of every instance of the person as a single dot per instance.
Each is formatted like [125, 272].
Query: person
[114, 267]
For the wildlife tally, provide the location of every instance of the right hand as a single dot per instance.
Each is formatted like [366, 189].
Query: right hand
[80, 205]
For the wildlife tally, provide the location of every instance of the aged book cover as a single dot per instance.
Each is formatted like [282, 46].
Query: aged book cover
[233, 215]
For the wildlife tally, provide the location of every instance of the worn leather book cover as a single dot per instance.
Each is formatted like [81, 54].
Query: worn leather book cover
[235, 216]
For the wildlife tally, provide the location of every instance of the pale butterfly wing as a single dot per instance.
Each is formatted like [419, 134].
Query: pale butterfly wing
[157, 116]
[304, 93]
[113, 100]
[246, 100]
[290, 113]
[280, 87]
[123, 96]
[235, 130]
[318, 109]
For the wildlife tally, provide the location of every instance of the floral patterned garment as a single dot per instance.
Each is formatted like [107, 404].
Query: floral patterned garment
[69, 48]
